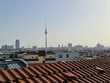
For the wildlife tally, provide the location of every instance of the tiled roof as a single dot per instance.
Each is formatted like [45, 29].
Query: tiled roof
[83, 71]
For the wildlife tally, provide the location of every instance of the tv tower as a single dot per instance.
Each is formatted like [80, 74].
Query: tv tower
[46, 40]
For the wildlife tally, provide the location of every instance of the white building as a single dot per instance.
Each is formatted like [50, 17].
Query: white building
[66, 56]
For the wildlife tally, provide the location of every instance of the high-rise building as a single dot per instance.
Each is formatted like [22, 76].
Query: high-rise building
[17, 44]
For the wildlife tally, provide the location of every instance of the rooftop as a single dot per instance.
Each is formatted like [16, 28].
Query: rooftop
[83, 71]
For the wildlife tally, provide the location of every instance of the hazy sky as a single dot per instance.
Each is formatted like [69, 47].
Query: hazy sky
[83, 22]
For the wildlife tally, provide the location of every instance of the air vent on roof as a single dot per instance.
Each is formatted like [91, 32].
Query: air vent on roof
[100, 70]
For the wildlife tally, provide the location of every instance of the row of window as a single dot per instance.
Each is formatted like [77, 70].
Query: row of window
[61, 56]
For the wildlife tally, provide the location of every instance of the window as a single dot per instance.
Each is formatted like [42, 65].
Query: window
[60, 56]
[13, 66]
[67, 55]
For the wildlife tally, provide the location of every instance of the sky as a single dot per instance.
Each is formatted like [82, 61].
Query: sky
[84, 22]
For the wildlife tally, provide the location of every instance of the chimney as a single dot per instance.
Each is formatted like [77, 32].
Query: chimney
[42, 56]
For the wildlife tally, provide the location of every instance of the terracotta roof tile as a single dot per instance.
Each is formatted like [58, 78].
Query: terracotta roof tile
[45, 79]
[15, 74]
[57, 78]
[49, 67]
[29, 72]
[67, 66]
[40, 69]
[34, 70]
[7, 75]
[84, 70]
[52, 79]
[37, 80]
[46, 69]
[22, 81]
[91, 80]
[22, 73]
[2, 77]
[56, 68]
[30, 80]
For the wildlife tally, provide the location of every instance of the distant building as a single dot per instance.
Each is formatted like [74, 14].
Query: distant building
[99, 47]
[17, 44]
[69, 46]
[58, 45]
[7, 47]
[34, 48]
[78, 47]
